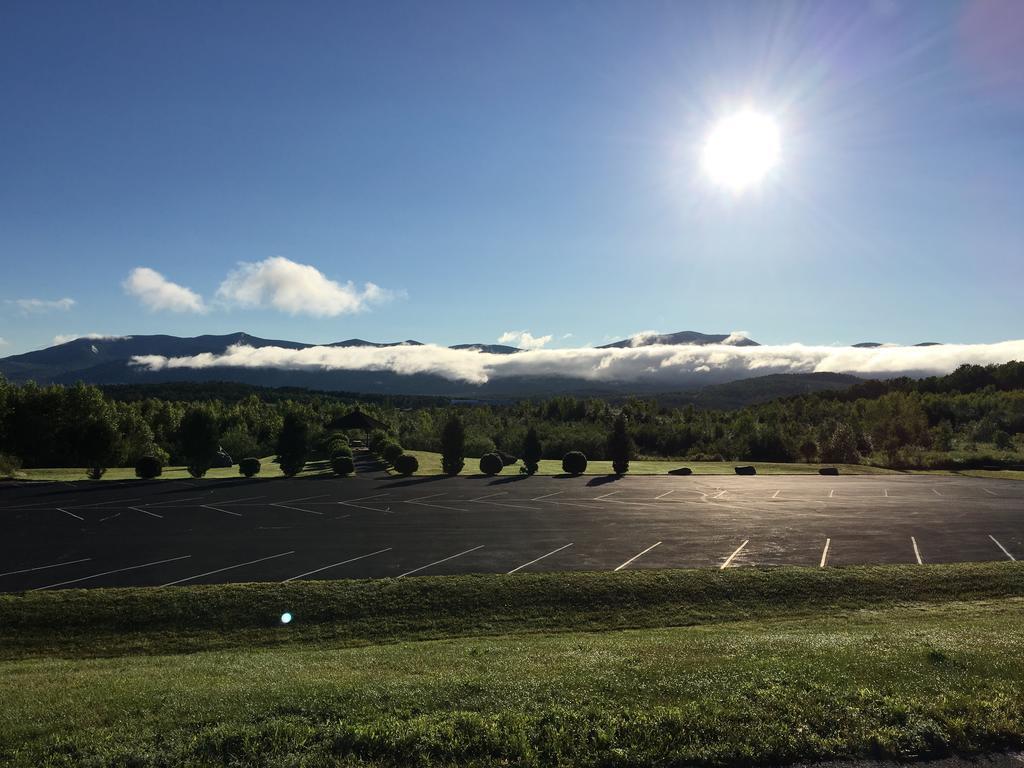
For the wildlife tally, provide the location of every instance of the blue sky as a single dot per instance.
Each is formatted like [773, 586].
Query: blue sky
[509, 166]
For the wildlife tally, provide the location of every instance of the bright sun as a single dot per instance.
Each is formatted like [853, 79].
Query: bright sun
[741, 149]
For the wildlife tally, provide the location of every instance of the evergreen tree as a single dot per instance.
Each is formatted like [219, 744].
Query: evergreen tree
[453, 446]
[99, 444]
[293, 444]
[620, 446]
[531, 452]
[199, 435]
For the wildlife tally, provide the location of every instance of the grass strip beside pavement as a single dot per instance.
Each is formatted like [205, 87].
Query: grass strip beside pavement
[98, 622]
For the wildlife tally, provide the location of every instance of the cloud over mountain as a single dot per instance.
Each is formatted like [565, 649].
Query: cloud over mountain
[523, 339]
[653, 363]
[298, 289]
[157, 293]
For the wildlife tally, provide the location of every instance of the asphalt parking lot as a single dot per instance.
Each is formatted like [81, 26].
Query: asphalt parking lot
[161, 533]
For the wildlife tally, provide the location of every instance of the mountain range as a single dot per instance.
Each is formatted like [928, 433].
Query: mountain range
[107, 360]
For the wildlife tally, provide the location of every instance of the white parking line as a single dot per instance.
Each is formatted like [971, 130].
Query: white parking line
[634, 557]
[719, 495]
[478, 498]
[101, 503]
[917, 552]
[990, 493]
[546, 495]
[72, 514]
[732, 557]
[1005, 552]
[666, 493]
[304, 498]
[886, 493]
[146, 512]
[218, 509]
[244, 498]
[110, 517]
[936, 492]
[824, 553]
[44, 567]
[297, 509]
[228, 568]
[335, 565]
[831, 492]
[537, 560]
[116, 570]
[776, 494]
[364, 498]
[487, 500]
[605, 496]
[435, 506]
[438, 562]
[174, 501]
[363, 506]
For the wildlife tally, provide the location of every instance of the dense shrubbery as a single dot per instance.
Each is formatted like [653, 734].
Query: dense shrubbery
[250, 467]
[453, 446]
[491, 464]
[342, 465]
[574, 463]
[406, 464]
[148, 467]
[390, 452]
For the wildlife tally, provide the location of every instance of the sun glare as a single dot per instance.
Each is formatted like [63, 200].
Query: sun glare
[741, 149]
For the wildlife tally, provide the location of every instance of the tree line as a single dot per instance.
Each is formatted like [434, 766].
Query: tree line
[974, 416]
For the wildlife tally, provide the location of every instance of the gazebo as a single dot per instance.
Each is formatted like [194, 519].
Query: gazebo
[356, 419]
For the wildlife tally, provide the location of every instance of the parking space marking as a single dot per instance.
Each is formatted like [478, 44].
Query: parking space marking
[438, 562]
[146, 512]
[776, 494]
[824, 553]
[44, 567]
[335, 565]
[297, 509]
[478, 498]
[719, 495]
[886, 493]
[244, 498]
[605, 496]
[936, 492]
[732, 557]
[487, 500]
[110, 517]
[174, 501]
[218, 509]
[435, 506]
[546, 495]
[227, 568]
[666, 493]
[1005, 552]
[305, 498]
[72, 514]
[363, 506]
[101, 503]
[639, 554]
[365, 498]
[831, 492]
[990, 493]
[917, 552]
[538, 559]
[116, 570]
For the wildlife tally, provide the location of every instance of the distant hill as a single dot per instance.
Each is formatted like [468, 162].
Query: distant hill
[681, 337]
[760, 389]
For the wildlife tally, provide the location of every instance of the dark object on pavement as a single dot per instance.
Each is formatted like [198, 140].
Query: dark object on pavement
[681, 471]
[828, 471]
[746, 471]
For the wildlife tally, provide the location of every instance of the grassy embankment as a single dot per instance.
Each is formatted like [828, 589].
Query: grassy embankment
[627, 669]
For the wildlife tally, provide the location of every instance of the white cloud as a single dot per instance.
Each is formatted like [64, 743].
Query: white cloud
[662, 364]
[297, 289]
[157, 293]
[64, 338]
[736, 337]
[523, 339]
[40, 306]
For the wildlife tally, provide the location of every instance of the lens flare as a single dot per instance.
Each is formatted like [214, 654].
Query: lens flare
[286, 618]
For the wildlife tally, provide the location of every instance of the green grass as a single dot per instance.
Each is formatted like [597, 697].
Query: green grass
[268, 469]
[430, 464]
[691, 667]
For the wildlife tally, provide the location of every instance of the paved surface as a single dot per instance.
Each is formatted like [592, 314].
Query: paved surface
[153, 533]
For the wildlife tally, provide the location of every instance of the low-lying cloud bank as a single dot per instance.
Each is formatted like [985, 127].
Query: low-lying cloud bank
[653, 364]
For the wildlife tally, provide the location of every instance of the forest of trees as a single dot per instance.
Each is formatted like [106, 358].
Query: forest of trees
[972, 417]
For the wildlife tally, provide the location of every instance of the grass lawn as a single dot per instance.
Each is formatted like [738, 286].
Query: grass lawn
[430, 464]
[653, 668]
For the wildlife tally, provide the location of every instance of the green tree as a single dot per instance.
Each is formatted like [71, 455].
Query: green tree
[453, 446]
[99, 444]
[620, 446]
[841, 446]
[199, 436]
[532, 452]
[293, 443]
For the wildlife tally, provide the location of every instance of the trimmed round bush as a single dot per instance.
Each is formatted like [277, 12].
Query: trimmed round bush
[681, 471]
[574, 463]
[343, 449]
[491, 464]
[291, 467]
[342, 465]
[390, 452]
[249, 466]
[148, 467]
[406, 464]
